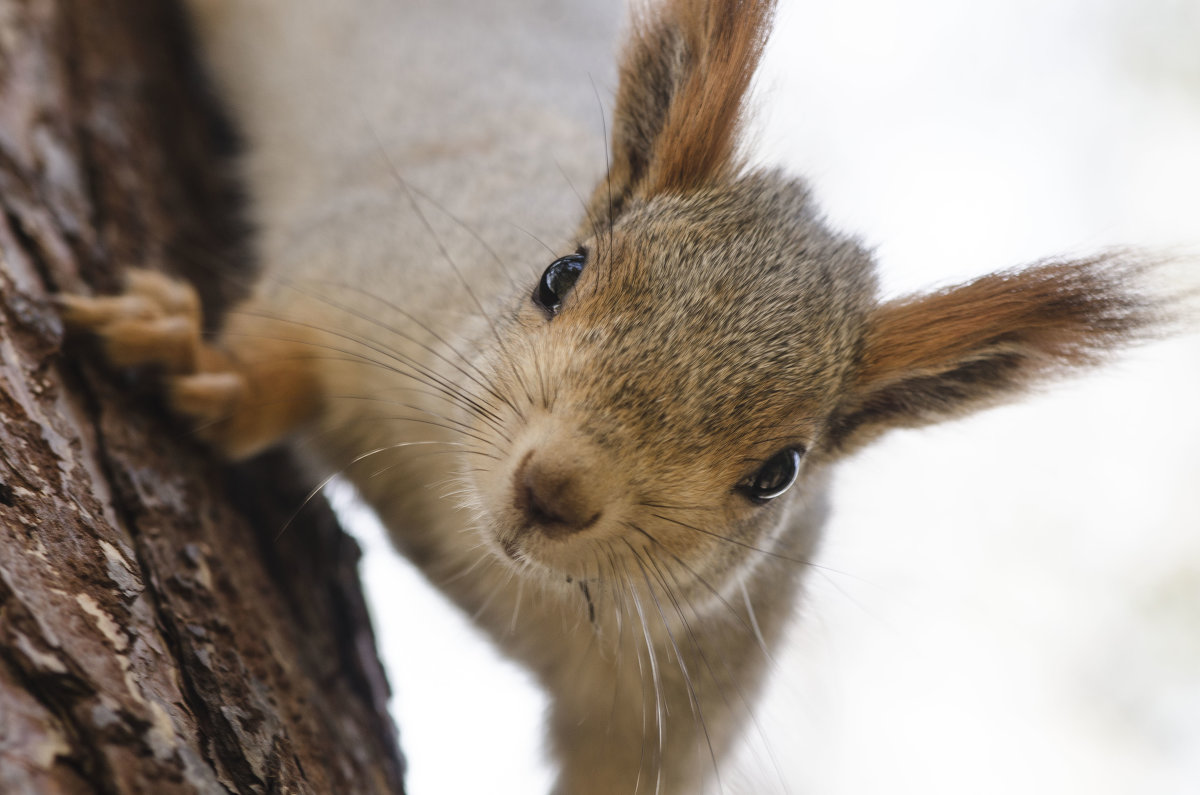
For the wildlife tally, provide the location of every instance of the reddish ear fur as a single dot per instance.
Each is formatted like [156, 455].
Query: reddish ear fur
[929, 357]
[722, 45]
[683, 79]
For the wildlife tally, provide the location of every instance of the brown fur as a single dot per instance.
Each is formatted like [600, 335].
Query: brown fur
[930, 356]
[245, 393]
[721, 48]
[684, 75]
[602, 451]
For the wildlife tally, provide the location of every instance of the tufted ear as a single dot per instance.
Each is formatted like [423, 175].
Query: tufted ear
[930, 357]
[683, 78]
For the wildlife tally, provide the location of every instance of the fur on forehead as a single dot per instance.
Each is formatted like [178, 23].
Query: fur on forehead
[758, 239]
[736, 295]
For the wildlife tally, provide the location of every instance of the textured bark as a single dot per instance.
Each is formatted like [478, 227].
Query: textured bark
[156, 636]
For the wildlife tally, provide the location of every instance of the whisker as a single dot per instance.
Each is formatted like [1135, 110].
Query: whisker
[469, 230]
[708, 586]
[437, 240]
[467, 570]
[753, 616]
[443, 426]
[390, 467]
[535, 239]
[582, 203]
[326, 481]
[498, 429]
[637, 654]
[670, 507]
[512, 625]
[388, 401]
[769, 553]
[747, 704]
[449, 392]
[656, 682]
[419, 372]
[697, 710]
[734, 541]
[487, 387]
[500, 586]
[607, 165]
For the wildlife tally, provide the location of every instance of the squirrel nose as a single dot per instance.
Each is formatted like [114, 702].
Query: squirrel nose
[556, 493]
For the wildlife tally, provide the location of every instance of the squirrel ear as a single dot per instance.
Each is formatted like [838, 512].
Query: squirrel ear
[930, 357]
[683, 77]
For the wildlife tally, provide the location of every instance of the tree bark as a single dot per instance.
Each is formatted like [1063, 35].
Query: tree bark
[164, 628]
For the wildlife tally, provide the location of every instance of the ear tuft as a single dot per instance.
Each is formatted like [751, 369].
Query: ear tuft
[684, 75]
[723, 41]
[933, 356]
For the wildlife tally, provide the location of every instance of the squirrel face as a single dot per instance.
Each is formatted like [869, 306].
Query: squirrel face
[651, 421]
[709, 348]
[677, 387]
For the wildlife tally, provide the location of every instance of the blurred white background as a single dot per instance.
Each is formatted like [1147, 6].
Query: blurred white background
[1012, 602]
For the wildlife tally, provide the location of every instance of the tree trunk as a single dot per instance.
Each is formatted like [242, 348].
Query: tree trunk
[163, 627]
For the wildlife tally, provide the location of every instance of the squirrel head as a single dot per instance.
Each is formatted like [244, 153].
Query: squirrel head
[679, 383]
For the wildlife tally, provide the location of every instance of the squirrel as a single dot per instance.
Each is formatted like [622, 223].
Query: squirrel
[603, 425]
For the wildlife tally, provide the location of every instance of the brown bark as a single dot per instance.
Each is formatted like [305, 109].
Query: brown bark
[155, 634]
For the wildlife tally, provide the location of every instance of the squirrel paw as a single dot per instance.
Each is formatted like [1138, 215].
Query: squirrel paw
[157, 321]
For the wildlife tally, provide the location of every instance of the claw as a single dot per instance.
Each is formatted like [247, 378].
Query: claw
[157, 321]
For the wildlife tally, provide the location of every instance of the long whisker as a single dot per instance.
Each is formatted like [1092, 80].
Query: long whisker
[778, 555]
[675, 507]
[469, 230]
[512, 624]
[462, 427]
[384, 470]
[657, 684]
[708, 586]
[536, 239]
[392, 402]
[349, 356]
[448, 391]
[443, 426]
[697, 710]
[501, 586]
[624, 586]
[607, 165]
[479, 377]
[734, 541]
[747, 703]
[437, 240]
[419, 372]
[753, 616]
[579, 197]
[326, 481]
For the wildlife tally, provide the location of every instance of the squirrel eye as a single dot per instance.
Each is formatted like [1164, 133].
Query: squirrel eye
[774, 477]
[557, 280]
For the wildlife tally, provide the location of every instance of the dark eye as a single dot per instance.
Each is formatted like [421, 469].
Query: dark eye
[774, 477]
[557, 281]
